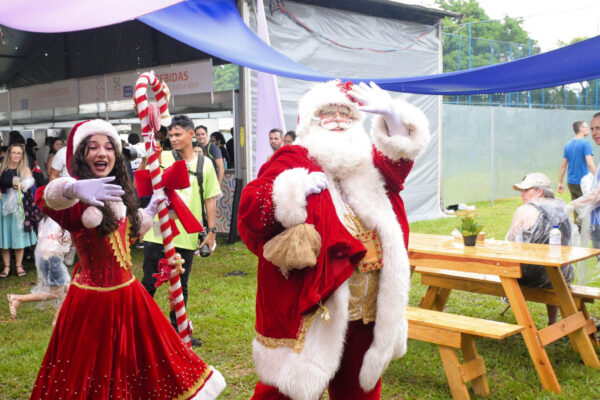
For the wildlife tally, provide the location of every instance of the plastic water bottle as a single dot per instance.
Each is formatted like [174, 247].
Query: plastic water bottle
[555, 241]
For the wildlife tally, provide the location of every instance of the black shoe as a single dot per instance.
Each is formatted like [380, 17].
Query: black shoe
[195, 342]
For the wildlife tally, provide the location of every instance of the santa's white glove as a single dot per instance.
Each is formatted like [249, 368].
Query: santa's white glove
[94, 191]
[315, 183]
[157, 197]
[378, 101]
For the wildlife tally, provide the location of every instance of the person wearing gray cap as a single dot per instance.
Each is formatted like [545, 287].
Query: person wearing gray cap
[532, 223]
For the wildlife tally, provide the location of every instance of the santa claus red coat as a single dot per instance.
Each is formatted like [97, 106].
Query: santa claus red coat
[301, 319]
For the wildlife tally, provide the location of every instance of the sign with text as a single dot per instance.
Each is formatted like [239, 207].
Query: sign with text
[4, 105]
[49, 95]
[188, 78]
[91, 90]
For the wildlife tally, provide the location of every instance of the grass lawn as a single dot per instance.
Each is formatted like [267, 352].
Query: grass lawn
[222, 310]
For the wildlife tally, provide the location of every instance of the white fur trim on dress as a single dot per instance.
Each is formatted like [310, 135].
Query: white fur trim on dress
[146, 221]
[212, 388]
[319, 96]
[305, 375]
[54, 194]
[27, 182]
[365, 193]
[93, 127]
[289, 198]
[91, 217]
[397, 147]
[119, 208]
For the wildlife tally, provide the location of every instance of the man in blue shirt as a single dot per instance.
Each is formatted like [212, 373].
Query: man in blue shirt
[579, 158]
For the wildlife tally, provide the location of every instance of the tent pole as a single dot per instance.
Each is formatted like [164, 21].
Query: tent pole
[469, 24]
[492, 160]
[10, 121]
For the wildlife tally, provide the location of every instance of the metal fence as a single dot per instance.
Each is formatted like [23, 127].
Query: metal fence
[485, 150]
[465, 52]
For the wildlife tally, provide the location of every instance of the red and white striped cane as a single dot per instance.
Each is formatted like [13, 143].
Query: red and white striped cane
[150, 119]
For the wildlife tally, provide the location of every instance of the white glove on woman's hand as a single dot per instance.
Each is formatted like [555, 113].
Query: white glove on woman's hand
[315, 183]
[94, 191]
[157, 197]
[378, 101]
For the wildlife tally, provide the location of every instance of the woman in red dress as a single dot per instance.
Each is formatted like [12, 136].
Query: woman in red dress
[111, 340]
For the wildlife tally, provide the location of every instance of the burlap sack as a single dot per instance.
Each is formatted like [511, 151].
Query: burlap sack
[295, 248]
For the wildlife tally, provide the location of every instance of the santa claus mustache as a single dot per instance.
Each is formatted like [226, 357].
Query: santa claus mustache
[332, 125]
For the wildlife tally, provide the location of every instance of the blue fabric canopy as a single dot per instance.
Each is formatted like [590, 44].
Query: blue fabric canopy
[216, 27]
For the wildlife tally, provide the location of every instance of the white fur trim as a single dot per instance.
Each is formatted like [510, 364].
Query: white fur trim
[319, 96]
[212, 388]
[27, 182]
[54, 197]
[119, 208]
[91, 217]
[397, 147]
[93, 127]
[305, 376]
[365, 193]
[289, 197]
[146, 221]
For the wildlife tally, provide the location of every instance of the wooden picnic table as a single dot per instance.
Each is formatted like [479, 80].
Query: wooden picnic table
[504, 259]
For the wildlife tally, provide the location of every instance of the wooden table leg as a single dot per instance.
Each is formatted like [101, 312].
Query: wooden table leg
[452, 367]
[536, 350]
[580, 339]
[469, 351]
[435, 298]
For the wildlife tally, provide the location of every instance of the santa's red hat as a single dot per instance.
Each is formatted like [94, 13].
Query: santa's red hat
[319, 97]
[88, 128]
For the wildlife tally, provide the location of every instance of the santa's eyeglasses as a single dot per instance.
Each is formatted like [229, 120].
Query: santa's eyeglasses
[336, 113]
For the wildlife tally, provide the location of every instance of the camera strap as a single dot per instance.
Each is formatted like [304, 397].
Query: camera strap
[199, 174]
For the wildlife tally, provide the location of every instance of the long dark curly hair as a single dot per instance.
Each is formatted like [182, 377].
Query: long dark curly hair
[80, 169]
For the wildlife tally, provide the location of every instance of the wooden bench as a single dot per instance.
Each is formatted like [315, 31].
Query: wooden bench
[451, 332]
[441, 281]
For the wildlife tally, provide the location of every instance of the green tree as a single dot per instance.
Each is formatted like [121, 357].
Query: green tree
[491, 41]
[226, 77]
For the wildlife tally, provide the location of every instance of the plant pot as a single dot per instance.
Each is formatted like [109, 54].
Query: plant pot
[470, 240]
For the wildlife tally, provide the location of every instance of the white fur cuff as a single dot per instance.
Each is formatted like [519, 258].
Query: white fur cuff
[27, 182]
[401, 146]
[54, 194]
[289, 197]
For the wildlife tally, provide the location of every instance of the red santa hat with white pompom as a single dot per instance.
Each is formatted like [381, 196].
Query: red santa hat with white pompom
[92, 216]
[88, 128]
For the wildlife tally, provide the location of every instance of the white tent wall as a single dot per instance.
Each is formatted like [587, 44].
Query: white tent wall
[488, 149]
[411, 57]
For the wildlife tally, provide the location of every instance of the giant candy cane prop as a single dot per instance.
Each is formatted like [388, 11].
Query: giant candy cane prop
[150, 119]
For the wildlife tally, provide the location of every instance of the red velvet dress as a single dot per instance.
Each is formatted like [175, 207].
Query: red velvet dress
[111, 340]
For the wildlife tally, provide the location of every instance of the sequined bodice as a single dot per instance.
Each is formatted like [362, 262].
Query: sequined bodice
[105, 261]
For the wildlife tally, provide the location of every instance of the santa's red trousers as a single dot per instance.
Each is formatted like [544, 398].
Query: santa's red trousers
[344, 385]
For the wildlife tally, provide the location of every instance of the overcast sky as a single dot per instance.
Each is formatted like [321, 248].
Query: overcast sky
[547, 21]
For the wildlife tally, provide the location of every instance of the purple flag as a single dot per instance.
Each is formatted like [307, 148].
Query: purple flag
[269, 114]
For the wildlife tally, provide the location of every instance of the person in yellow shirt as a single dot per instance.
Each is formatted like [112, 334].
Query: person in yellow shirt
[181, 134]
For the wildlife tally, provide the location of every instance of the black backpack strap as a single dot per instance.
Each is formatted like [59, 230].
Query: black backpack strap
[199, 174]
[200, 178]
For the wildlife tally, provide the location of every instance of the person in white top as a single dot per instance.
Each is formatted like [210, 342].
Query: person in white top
[59, 164]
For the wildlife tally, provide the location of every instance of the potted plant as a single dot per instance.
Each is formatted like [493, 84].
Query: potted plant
[469, 228]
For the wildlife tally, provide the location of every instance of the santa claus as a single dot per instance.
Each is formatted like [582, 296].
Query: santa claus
[325, 219]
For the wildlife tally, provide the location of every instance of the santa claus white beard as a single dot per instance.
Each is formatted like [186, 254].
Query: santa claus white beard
[339, 153]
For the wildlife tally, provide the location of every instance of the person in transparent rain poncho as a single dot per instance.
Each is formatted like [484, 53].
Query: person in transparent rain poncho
[588, 206]
[532, 223]
[53, 276]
